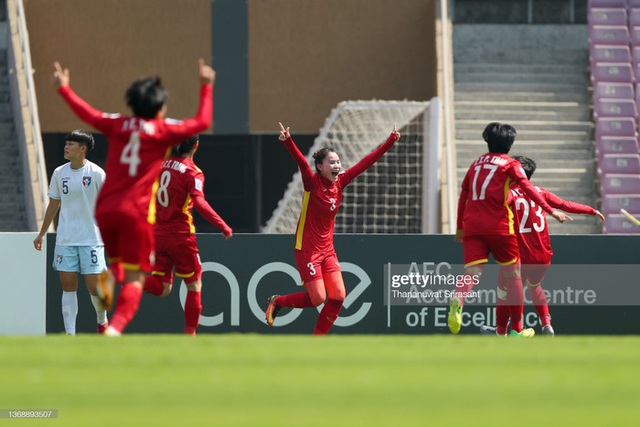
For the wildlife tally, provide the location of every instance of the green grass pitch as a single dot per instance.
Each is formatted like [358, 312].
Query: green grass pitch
[337, 380]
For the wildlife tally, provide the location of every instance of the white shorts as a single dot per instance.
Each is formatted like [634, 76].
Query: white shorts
[79, 259]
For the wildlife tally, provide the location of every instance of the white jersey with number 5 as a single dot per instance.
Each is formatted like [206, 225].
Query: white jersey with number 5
[77, 190]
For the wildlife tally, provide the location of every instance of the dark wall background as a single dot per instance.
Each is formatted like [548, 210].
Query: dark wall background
[245, 174]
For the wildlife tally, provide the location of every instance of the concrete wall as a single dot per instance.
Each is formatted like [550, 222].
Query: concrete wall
[304, 56]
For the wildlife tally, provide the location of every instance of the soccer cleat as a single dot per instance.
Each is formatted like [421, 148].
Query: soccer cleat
[455, 315]
[111, 332]
[102, 328]
[272, 310]
[104, 290]
[488, 330]
[548, 330]
[526, 333]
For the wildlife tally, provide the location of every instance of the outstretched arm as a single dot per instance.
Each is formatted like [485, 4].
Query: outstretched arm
[303, 164]
[568, 206]
[531, 191]
[204, 208]
[80, 107]
[368, 160]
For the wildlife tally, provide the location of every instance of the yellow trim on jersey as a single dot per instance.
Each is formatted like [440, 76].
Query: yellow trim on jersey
[185, 276]
[130, 267]
[157, 273]
[513, 261]
[303, 218]
[185, 209]
[510, 215]
[151, 215]
[476, 262]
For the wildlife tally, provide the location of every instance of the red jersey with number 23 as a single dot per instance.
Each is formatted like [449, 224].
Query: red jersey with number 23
[135, 151]
[533, 229]
[483, 207]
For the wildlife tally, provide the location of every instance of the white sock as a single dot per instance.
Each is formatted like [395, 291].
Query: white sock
[100, 312]
[69, 311]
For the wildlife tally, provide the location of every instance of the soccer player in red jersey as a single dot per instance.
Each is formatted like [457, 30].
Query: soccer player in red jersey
[125, 210]
[486, 225]
[534, 242]
[181, 188]
[314, 251]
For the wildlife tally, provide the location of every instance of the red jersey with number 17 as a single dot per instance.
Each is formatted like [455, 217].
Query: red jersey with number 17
[482, 206]
[181, 186]
[135, 151]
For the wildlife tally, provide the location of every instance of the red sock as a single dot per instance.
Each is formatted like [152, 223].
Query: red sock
[515, 301]
[297, 300]
[462, 288]
[192, 310]
[328, 315]
[540, 303]
[126, 307]
[502, 309]
[153, 285]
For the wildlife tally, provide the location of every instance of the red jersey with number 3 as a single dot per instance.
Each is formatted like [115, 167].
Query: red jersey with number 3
[321, 199]
[135, 151]
[483, 207]
[533, 229]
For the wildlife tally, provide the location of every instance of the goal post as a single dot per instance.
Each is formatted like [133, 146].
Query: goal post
[400, 192]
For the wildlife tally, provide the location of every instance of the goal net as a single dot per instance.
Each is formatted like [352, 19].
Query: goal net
[393, 195]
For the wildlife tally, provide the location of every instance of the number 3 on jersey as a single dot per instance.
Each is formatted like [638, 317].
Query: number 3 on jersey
[523, 205]
[131, 153]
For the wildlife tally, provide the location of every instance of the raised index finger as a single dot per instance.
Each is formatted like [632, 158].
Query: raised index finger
[282, 127]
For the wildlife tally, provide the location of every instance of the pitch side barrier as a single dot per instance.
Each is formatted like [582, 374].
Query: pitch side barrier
[396, 284]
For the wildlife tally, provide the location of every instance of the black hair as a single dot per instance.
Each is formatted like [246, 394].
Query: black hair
[146, 96]
[185, 146]
[499, 137]
[82, 137]
[528, 165]
[319, 155]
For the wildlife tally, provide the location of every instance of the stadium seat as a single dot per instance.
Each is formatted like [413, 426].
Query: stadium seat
[612, 126]
[619, 164]
[612, 203]
[615, 72]
[610, 107]
[616, 145]
[613, 90]
[609, 34]
[634, 16]
[608, 3]
[608, 16]
[619, 224]
[634, 33]
[609, 53]
[619, 184]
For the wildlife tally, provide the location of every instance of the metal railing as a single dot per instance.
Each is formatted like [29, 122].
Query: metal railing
[25, 113]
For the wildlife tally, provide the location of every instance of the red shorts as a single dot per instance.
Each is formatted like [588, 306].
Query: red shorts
[311, 265]
[128, 239]
[504, 248]
[181, 251]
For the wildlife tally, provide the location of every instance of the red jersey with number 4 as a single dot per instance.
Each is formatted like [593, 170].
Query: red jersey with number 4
[533, 229]
[483, 207]
[135, 151]
[321, 199]
[181, 186]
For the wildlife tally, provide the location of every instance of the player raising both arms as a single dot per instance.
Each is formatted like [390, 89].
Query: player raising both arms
[125, 209]
[314, 251]
[534, 243]
[181, 188]
[485, 225]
